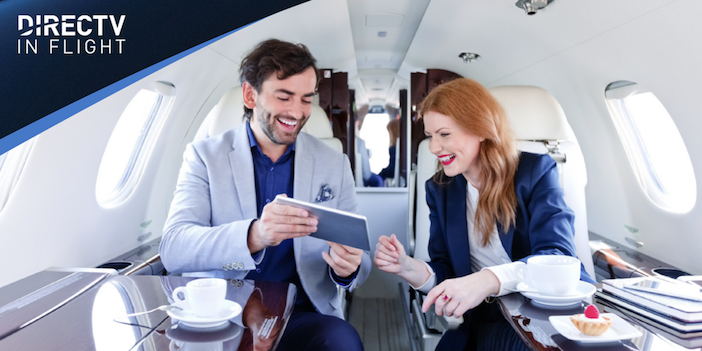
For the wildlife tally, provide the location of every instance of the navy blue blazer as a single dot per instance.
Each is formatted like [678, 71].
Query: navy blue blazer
[544, 223]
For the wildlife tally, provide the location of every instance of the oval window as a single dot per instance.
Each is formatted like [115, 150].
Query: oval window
[131, 143]
[653, 145]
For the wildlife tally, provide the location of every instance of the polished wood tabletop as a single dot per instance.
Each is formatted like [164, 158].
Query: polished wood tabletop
[531, 321]
[89, 314]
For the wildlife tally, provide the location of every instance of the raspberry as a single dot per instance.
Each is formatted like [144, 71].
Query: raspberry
[591, 312]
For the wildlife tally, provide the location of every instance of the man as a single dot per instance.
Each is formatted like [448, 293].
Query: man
[223, 221]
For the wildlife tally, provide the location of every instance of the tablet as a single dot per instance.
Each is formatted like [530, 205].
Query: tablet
[341, 227]
[661, 287]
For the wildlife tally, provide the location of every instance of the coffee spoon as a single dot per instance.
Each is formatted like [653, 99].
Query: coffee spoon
[159, 308]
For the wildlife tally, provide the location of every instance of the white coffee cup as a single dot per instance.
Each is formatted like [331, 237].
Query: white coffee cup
[554, 275]
[203, 297]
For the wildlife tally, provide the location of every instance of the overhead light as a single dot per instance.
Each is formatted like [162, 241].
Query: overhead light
[531, 6]
[468, 57]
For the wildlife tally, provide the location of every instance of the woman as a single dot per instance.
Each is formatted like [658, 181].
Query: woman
[491, 207]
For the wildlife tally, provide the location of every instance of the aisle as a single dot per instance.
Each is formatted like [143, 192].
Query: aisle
[380, 323]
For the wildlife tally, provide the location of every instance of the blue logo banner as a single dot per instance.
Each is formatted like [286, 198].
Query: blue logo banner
[58, 57]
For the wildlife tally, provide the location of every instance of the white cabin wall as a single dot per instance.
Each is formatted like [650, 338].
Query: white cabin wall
[53, 218]
[658, 51]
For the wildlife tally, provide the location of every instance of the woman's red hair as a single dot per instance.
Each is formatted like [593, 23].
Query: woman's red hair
[476, 111]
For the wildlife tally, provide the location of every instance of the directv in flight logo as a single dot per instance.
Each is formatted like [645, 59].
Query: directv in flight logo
[70, 34]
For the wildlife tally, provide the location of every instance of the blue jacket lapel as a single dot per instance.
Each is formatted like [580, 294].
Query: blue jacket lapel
[302, 190]
[304, 168]
[241, 164]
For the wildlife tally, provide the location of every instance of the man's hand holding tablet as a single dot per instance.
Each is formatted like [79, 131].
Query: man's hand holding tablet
[345, 232]
[277, 223]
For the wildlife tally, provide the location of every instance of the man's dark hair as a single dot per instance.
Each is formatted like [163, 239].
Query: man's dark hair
[274, 56]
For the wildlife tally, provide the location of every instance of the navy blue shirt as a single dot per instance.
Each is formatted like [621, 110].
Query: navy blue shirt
[273, 178]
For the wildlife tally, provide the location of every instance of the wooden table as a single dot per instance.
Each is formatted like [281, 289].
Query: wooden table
[86, 321]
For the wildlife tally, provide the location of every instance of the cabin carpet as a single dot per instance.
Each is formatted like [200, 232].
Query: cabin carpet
[380, 323]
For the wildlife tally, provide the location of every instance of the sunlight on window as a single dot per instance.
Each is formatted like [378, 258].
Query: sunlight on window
[654, 146]
[124, 142]
[375, 133]
[131, 143]
[108, 334]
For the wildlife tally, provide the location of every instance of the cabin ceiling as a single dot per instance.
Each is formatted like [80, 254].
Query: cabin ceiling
[382, 33]
[420, 34]
[507, 40]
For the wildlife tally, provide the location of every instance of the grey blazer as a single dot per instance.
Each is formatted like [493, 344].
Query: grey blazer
[215, 202]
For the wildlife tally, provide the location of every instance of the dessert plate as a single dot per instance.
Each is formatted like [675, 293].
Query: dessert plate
[229, 310]
[619, 330]
[583, 291]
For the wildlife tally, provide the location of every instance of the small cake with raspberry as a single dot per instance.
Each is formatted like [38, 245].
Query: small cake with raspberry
[590, 322]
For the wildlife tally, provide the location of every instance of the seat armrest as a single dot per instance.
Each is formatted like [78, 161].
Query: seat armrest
[450, 323]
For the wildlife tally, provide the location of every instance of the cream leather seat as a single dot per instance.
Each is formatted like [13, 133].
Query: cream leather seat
[227, 114]
[319, 126]
[541, 127]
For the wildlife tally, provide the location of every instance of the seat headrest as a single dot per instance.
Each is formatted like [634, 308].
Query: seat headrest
[229, 112]
[533, 113]
[318, 124]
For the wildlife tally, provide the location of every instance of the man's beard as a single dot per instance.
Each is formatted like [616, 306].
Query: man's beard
[269, 127]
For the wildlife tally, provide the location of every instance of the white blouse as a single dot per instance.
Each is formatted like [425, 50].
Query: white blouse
[492, 257]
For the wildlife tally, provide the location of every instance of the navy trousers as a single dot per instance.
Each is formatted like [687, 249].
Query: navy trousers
[316, 331]
[488, 330]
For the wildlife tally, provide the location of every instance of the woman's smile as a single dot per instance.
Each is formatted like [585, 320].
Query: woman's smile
[447, 159]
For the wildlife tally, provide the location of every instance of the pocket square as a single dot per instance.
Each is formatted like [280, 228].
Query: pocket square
[325, 194]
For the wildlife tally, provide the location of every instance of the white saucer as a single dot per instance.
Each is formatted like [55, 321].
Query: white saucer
[583, 291]
[620, 330]
[230, 309]
[184, 333]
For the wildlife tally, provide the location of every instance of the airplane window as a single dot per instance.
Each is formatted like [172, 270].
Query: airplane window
[131, 143]
[654, 146]
[11, 167]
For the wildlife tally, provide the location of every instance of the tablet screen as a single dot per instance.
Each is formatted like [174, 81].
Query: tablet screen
[341, 227]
